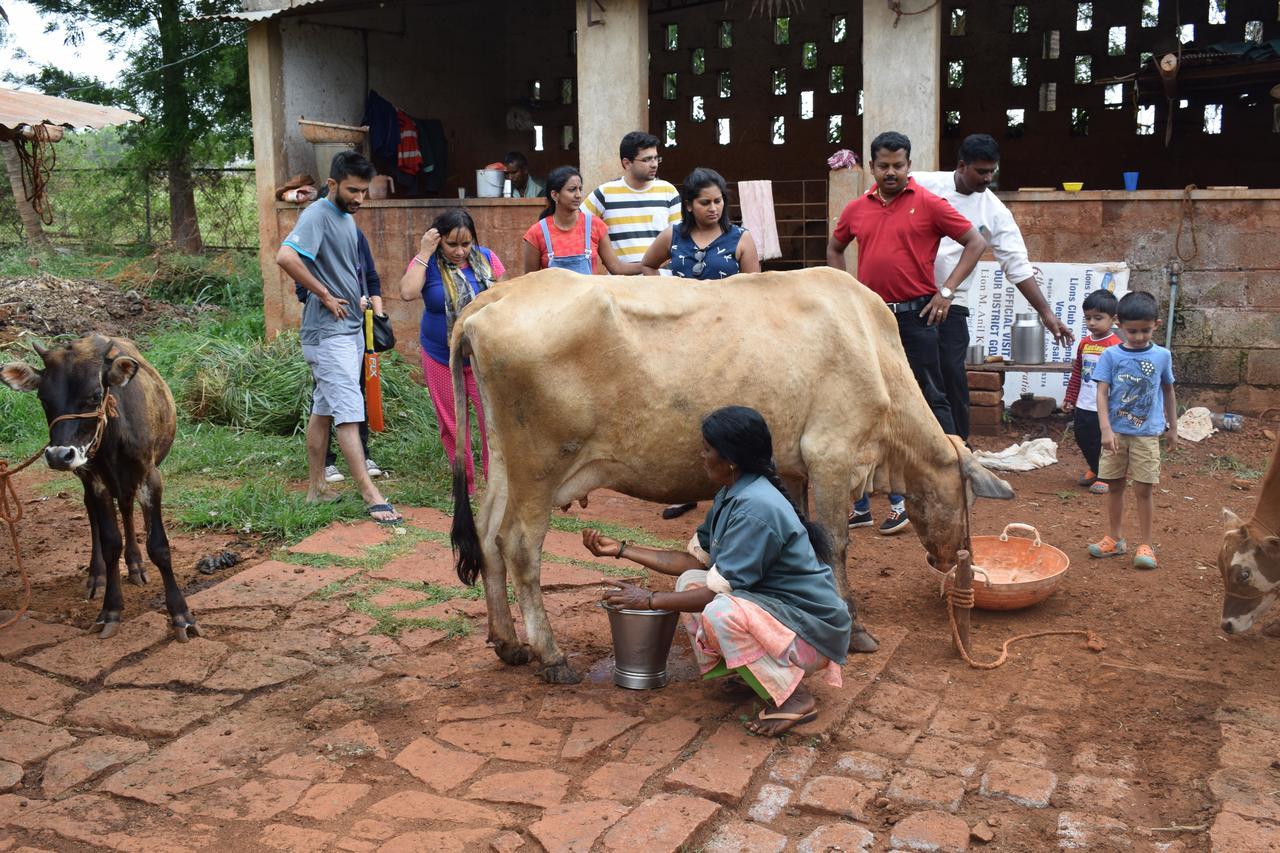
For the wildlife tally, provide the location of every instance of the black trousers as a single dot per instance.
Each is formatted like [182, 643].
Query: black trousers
[331, 457]
[921, 342]
[1088, 437]
[953, 346]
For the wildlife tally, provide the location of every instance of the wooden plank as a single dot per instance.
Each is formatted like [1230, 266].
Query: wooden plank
[266, 94]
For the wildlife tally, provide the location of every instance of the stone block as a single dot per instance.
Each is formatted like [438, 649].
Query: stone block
[1021, 783]
[1104, 794]
[872, 734]
[664, 823]
[848, 837]
[1097, 759]
[1218, 288]
[354, 740]
[743, 837]
[899, 704]
[25, 742]
[268, 584]
[1190, 326]
[86, 657]
[986, 398]
[415, 805]
[1023, 751]
[295, 839]
[915, 787]
[1231, 327]
[931, 831]
[329, 800]
[1231, 832]
[722, 767]
[543, 787]
[69, 768]
[344, 540]
[863, 765]
[29, 634]
[1252, 400]
[188, 663]
[1261, 290]
[1208, 366]
[1084, 831]
[962, 724]
[986, 416]
[589, 735]
[836, 795]
[10, 775]
[438, 766]
[574, 827]
[791, 765]
[947, 756]
[985, 380]
[1264, 367]
[1248, 793]
[461, 839]
[509, 740]
[770, 802]
[27, 694]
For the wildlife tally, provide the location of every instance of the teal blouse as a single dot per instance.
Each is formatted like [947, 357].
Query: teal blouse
[758, 544]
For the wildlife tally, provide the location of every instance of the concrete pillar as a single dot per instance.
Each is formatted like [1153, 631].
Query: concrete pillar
[902, 78]
[613, 82]
[266, 95]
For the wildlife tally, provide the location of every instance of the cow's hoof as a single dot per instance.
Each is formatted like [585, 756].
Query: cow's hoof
[93, 585]
[107, 624]
[138, 575]
[185, 627]
[517, 654]
[861, 642]
[560, 673]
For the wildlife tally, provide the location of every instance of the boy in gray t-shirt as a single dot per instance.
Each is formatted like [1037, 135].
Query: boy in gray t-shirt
[321, 253]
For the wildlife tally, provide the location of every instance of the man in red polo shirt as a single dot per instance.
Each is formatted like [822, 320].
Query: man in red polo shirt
[898, 226]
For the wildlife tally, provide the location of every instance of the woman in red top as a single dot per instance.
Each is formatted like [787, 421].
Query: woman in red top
[577, 239]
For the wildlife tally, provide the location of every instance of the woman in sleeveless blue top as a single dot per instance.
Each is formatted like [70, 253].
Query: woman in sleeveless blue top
[566, 237]
[705, 245]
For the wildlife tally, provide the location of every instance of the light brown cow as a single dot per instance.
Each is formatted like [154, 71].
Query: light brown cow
[592, 383]
[1249, 560]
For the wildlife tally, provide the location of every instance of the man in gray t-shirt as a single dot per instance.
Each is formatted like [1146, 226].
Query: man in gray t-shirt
[322, 254]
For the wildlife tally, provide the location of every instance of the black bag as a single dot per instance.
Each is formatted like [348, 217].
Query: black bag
[383, 337]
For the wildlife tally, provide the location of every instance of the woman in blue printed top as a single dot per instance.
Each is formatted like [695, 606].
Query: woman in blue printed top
[450, 269]
[705, 245]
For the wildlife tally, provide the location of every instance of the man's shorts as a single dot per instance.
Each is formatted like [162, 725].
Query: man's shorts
[1138, 458]
[335, 365]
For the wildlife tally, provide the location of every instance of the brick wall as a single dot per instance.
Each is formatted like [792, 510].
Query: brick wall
[1226, 339]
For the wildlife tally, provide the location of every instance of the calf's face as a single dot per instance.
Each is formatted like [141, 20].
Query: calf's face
[1250, 572]
[73, 381]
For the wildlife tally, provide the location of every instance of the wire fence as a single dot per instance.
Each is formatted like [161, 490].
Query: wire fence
[121, 207]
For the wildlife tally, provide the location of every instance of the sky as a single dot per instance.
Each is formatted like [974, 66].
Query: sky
[25, 34]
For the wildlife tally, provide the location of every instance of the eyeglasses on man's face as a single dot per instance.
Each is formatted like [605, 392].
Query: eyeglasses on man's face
[654, 158]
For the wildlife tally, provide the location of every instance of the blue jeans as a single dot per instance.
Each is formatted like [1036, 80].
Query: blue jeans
[863, 504]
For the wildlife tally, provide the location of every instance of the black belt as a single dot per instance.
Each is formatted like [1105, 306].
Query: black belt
[913, 305]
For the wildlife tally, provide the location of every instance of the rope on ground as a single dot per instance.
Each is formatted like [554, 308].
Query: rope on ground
[964, 598]
[1188, 216]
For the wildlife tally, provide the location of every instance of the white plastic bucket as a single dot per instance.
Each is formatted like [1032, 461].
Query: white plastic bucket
[489, 182]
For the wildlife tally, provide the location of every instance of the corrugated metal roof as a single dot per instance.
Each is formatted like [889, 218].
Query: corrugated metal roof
[253, 15]
[33, 108]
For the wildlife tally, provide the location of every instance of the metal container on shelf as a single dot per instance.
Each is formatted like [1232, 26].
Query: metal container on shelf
[641, 643]
[1028, 339]
[974, 354]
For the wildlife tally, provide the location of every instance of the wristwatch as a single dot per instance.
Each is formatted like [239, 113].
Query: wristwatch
[946, 293]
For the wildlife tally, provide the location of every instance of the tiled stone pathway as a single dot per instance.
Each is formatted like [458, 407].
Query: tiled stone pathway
[337, 703]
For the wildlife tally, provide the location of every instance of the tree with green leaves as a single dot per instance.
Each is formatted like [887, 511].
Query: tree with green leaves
[188, 75]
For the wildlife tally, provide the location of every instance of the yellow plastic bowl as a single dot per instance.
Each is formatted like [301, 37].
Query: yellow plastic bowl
[1072, 186]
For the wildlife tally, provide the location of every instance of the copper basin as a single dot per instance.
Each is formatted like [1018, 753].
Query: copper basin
[1012, 573]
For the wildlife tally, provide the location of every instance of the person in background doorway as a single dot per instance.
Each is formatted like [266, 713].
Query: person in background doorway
[450, 269]
[567, 237]
[705, 244]
[523, 185]
[636, 207]
[373, 286]
[1082, 393]
[322, 254]
[898, 225]
[967, 189]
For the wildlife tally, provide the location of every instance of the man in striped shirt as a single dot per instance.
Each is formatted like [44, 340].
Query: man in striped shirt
[636, 207]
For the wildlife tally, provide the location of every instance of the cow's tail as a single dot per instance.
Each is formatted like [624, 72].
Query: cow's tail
[465, 538]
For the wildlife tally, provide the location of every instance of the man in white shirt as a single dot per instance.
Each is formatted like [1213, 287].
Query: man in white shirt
[967, 189]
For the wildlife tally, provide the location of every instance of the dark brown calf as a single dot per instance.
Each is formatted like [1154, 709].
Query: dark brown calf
[116, 460]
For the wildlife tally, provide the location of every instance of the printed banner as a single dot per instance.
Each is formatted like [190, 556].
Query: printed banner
[994, 303]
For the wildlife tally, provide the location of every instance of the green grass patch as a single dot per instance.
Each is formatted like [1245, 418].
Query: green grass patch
[620, 571]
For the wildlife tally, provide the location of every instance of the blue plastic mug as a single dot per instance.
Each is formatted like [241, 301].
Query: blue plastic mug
[1130, 181]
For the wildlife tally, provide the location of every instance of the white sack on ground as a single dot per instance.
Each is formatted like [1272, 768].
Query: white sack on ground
[1196, 424]
[1028, 456]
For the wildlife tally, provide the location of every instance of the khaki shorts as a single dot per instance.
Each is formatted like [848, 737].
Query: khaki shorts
[1138, 458]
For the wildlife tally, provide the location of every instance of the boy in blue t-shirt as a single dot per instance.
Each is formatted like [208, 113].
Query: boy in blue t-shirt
[1135, 391]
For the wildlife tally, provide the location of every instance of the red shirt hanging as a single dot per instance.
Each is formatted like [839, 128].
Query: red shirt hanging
[408, 154]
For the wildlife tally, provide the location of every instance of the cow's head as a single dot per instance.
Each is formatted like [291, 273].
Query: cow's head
[1249, 563]
[73, 381]
[940, 500]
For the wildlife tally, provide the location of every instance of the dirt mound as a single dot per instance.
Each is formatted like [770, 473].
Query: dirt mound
[47, 306]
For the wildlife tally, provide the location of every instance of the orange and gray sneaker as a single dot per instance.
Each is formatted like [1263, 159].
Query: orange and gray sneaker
[1088, 478]
[1109, 547]
[1099, 488]
[1144, 558]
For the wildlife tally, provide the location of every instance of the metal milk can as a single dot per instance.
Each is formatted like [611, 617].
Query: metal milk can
[1028, 339]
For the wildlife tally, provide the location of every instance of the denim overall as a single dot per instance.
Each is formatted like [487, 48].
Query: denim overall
[574, 263]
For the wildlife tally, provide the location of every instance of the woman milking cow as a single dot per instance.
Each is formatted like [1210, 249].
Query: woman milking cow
[755, 588]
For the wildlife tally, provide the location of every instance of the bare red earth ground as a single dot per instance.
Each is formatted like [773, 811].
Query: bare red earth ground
[336, 738]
